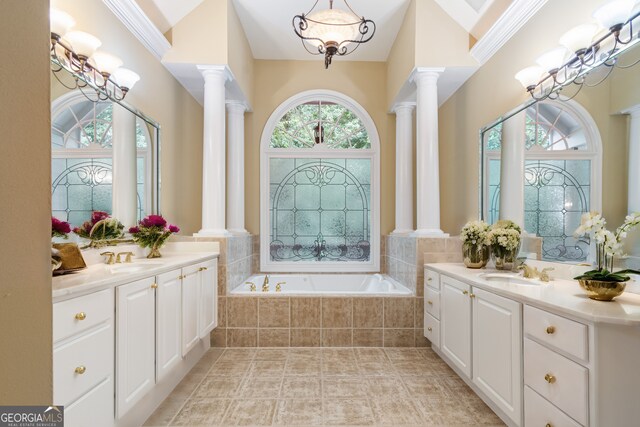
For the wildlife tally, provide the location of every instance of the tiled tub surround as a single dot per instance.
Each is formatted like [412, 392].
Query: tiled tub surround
[265, 321]
[296, 387]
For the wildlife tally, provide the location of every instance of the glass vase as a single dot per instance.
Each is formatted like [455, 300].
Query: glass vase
[154, 251]
[475, 255]
[504, 259]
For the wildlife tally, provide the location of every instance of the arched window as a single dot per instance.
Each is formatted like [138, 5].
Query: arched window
[320, 186]
[562, 175]
[81, 165]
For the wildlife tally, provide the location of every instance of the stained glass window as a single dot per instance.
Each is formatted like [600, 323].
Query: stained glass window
[81, 172]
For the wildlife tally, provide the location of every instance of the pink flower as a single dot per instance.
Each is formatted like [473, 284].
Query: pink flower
[98, 216]
[61, 227]
[134, 230]
[174, 228]
[153, 221]
[78, 230]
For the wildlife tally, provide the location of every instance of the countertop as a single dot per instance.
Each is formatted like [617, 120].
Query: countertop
[560, 295]
[97, 277]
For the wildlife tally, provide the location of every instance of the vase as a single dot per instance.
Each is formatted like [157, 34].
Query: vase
[475, 255]
[602, 291]
[154, 251]
[504, 259]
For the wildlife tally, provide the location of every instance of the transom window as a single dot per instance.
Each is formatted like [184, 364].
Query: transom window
[319, 191]
[560, 178]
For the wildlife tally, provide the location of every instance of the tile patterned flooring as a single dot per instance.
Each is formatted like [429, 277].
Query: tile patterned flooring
[322, 386]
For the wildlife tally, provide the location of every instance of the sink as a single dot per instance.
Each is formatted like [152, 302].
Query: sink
[131, 268]
[506, 278]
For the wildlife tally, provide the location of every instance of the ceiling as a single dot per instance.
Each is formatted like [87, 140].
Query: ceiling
[167, 13]
[466, 12]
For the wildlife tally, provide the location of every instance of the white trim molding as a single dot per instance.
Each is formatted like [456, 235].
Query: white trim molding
[266, 265]
[514, 18]
[139, 24]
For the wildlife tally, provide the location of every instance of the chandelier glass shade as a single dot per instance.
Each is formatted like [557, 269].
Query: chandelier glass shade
[332, 31]
[76, 52]
[583, 49]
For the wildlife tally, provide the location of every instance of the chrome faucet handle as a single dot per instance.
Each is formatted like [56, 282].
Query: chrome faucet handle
[127, 259]
[279, 286]
[544, 274]
[110, 257]
[252, 286]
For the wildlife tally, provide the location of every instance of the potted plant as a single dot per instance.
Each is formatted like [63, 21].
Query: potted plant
[603, 284]
[101, 230]
[475, 252]
[152, 232]
[504, 239]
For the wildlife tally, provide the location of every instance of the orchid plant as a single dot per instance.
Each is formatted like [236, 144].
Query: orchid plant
[152, 232]
[608, 246]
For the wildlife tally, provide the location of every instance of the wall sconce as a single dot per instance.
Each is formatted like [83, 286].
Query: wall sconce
[76, 52]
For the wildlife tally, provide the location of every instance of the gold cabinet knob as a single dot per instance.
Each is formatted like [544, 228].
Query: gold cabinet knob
[430, 302]
[465, 292]
[154, 286]
[81, 316]
[429, 329]
[429, 279]
[548, 425]
[472, 295]
[550, 378]
[80, 370]
[551, 329]
[203, 269]
[181, 277]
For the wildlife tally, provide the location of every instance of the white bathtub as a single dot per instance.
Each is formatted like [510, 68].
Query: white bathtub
[324, 284]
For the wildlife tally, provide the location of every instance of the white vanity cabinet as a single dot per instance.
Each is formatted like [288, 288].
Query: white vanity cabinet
[190, 296]
[168, 322]
[208, 284]
[455, 326]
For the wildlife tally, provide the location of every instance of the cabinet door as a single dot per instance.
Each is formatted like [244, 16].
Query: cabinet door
[135, 345]
[168, 322]
[190, 306]
[208, 281]
[497, 350]
[455, 323]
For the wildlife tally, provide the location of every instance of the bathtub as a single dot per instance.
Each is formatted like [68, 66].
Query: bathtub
[325, 284]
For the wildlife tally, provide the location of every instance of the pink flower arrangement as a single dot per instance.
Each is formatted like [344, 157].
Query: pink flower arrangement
[152, 232]
[59, 228]
[100, 227]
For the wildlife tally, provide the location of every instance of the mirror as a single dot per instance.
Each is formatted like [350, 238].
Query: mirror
[576, 159]
[89, 139]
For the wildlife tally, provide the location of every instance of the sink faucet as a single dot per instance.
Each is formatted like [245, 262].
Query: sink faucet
[544, 274]
[110, 257]
[528, 271]
[265, 284]
[127, 259]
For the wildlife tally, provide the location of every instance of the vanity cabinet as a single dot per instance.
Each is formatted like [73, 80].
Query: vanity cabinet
[455, 333]
[208, 297]
[168, 322]
[190, 290]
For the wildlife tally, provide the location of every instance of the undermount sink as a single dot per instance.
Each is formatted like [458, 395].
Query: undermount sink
[131, 268]
[506, 278]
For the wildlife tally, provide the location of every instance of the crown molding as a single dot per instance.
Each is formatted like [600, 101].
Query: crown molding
[139, 24]
[514, 18]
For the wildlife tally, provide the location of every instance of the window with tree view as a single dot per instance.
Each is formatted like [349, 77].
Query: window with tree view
[320, 167]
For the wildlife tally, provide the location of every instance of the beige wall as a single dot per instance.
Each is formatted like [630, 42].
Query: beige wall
[276, 81]
[493, 90]
[401, 60]
[240, 58]
[26, 376]
[162, 98]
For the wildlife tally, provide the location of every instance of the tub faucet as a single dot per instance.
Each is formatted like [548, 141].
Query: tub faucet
[265, 284]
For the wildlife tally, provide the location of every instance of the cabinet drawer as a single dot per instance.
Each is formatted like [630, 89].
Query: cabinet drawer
[432, 330]
[558, 332]
[561, 381]
[78, 314]
[93, 352]
[432, 279]
[94, 409]
[432, 302]
[538, 412]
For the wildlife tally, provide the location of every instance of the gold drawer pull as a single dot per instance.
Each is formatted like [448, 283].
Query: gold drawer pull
[429, 329]
[550, 378]
[429, 279]
[465, 292]
[472, 295]
[551, 329]
[202, 269]
[80, 370]
[548, 425]
[154, 286]
[81, 316]
[430, 302]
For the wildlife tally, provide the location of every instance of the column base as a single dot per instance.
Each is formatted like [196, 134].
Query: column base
[430, 232]
[241, 232]
[402, 232]
[212, 233]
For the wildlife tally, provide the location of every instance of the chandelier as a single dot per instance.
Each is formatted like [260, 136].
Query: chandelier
[76, 52]
[332, 31]
[583, 49]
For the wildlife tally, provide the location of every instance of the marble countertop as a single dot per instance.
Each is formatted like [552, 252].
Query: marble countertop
[561, 296]
[99, 276]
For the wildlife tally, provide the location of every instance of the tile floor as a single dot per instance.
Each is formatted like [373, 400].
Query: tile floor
[321, 386]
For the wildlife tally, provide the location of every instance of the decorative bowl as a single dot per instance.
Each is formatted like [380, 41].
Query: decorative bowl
[602, 291]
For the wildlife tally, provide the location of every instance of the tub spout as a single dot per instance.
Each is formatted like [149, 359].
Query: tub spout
[265, 284]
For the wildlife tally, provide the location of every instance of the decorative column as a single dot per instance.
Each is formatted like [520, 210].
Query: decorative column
[633, 198]
[427, 158]
[512, 169]
[213, 153]
[404, 168]
[125, 189]
[235, 174]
